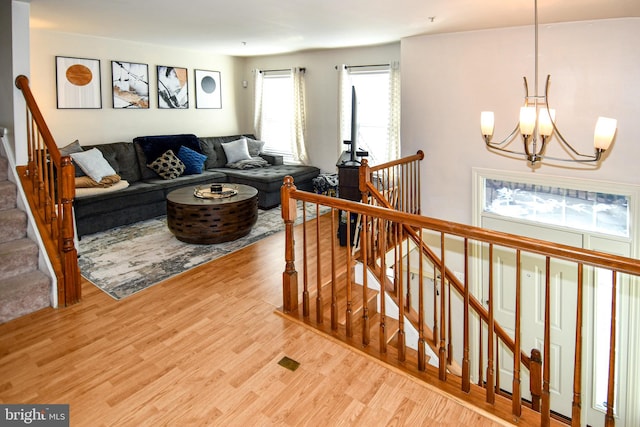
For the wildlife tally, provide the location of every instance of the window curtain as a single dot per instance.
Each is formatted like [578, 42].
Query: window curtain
[394, 111]
[299, 149]
[257, 102]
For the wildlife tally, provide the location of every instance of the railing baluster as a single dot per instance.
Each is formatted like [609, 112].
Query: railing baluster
[319, 296]
[490, 334]
[422, 356]
[516, 400]
[349, 308]
[366, 332]
[609, 420]
[442, 351]
[401, 334]
[466, 374]
[305, 265]
[383, 282]
[334, 289]
[545, 412]
[577, 370]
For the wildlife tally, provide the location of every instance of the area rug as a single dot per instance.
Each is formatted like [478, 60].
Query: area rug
[125, 260]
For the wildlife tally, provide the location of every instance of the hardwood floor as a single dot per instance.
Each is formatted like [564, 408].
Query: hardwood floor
[203, 349]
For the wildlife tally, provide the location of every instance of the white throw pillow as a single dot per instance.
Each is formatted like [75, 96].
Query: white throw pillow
[93, 163]
[236, 150]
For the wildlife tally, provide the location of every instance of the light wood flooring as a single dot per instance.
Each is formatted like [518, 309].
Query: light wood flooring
[203, 349]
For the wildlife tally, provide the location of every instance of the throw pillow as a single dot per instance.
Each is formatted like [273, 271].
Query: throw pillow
[193, 161]
[207, 148]
[168, 166]
[93, 163]
[236, 150]
[255, 146]
[74, 147]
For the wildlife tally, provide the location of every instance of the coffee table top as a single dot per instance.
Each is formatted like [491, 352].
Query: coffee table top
[185, 196]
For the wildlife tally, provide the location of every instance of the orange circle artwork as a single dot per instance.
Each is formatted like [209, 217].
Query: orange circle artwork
[79, 75]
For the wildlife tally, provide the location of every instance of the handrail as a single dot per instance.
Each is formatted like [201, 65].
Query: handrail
[48, 180]
[412, 225]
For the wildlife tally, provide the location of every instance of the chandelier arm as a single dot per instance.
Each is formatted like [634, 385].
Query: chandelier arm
[509, 138]
[497, 148]
[589, 159]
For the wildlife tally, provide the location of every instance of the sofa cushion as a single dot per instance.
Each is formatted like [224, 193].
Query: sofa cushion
[168, 165]
[270, 179]
[93, 163]
[236, 150]
[255, 146]
[123, 159]
[193, 161]
[212, 147]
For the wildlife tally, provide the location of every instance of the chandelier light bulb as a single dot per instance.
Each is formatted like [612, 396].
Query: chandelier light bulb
[487, 122]
[546, 118]
[527, 120]
[604, 133]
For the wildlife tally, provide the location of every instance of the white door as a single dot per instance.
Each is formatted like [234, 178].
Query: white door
[562, 309]
[596, 324]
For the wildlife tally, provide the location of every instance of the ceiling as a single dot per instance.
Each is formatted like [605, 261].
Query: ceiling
[262, 27]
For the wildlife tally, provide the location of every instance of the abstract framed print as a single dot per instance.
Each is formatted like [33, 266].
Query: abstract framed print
[78, 82]
[208, 93]
[173, 90]
[130, 85]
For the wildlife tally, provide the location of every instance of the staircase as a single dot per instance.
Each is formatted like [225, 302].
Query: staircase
[23, 287]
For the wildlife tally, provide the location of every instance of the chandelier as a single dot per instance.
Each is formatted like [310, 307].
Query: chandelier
[537, 125]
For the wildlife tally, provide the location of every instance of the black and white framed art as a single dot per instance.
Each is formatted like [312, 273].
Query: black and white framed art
[78, 82]
[130, 85]
[208, 93]
[173, 90]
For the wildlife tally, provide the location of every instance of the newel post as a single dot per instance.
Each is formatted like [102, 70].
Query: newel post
[290, 275]
[364, 172]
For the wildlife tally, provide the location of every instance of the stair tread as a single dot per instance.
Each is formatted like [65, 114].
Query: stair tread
[24, 294]
[17, 245]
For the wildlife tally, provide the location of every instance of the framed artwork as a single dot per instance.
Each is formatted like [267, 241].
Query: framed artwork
[130, 85]
[208, 89]
[173, 91]
[78, 82]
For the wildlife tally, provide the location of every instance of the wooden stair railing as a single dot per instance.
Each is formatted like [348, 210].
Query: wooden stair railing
[48, 181]
[390, 232]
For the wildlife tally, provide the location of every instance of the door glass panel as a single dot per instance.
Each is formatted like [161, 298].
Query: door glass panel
[605, 213]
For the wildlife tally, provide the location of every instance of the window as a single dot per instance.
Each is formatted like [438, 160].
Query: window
[378, 96]
[280, 113]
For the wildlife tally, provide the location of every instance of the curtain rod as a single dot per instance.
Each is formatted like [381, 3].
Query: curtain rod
[364, 66]
[303, 69]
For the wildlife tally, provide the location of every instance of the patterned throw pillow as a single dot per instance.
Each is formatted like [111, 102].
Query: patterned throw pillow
[168, 166]
[193, 161]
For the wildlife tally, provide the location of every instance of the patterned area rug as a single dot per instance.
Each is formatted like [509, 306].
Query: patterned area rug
[128, 259]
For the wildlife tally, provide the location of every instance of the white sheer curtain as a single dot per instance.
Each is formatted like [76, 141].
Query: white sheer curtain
[394, 111]
[299, 149]
[257, 102]
[280, 113]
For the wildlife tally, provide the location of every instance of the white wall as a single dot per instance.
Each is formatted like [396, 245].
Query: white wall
[321, 79]
[448, 79]
[111, 125]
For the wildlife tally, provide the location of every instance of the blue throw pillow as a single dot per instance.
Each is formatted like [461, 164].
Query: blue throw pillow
[193, 161]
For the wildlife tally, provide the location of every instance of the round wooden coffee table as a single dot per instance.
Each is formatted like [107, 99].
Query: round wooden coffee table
[202, 220]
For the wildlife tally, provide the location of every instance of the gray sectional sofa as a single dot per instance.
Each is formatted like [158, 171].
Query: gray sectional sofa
[145, 196]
